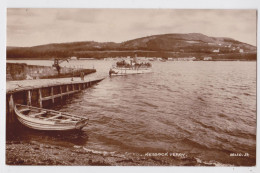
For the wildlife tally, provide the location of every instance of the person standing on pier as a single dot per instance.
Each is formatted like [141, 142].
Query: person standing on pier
[57, 64]
[82, 76]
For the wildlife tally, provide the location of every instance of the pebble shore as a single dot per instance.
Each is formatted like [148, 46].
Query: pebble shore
[35, 153]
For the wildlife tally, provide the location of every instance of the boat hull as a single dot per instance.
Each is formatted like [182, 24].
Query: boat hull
[127, 71]
[38, 124]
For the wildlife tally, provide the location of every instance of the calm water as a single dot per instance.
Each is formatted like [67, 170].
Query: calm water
[206, 110]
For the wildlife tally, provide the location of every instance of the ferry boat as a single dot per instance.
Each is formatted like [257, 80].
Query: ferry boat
[127, 67]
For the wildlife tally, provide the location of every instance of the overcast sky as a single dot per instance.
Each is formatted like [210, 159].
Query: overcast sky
[30, 27]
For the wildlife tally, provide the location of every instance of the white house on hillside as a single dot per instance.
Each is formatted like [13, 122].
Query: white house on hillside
[73, 58]
[216, 51]
[207, 58]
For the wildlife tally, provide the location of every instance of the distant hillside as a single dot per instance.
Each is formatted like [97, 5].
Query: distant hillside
[167, 45]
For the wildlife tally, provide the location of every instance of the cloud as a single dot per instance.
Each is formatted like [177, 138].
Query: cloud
[20, 12]
[78, 15]
[28, 27]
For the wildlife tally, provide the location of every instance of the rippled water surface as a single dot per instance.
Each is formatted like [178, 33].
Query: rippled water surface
[204, 109]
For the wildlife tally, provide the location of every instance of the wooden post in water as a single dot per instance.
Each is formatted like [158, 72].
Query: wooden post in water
[52, 97]
[40, 97]
[61, 91]
[11, 108]
[67, 89]
[29, 98]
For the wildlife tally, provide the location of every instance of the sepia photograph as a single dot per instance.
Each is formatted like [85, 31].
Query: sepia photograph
[131, 87]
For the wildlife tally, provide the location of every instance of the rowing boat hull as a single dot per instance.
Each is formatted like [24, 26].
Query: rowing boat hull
[44, 125]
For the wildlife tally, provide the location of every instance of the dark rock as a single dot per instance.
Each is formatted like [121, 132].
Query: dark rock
[72, 160]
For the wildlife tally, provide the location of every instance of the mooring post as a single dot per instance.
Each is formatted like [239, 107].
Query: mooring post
[11, 108]
[67, 88]
[40, 97]
[29, 98]
[61, 91]
[52, 95]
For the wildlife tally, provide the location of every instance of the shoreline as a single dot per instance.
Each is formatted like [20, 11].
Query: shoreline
[36, 153]
[104, 59]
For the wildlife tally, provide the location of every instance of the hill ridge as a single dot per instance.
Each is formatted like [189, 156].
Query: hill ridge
[189, 43]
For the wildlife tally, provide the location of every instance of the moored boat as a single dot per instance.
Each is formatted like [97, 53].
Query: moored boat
[126, 67]
[163, 60]
[48, 120]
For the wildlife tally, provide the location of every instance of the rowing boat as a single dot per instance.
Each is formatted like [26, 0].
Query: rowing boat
[48, 120]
